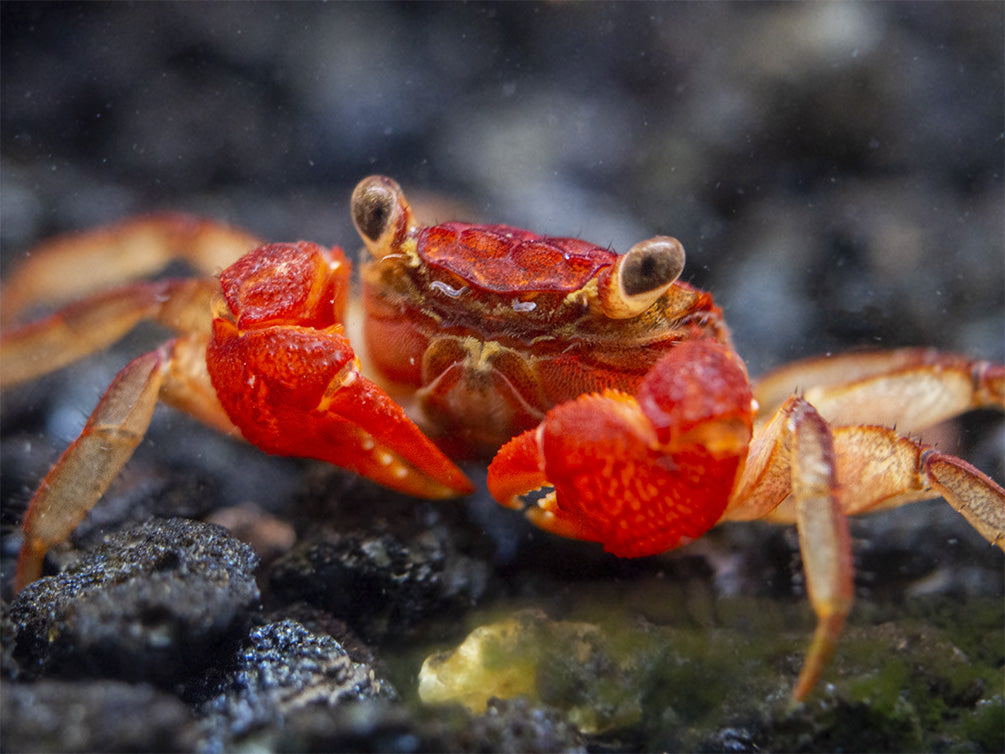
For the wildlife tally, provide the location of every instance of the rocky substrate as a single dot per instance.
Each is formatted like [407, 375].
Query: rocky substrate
[172, 635]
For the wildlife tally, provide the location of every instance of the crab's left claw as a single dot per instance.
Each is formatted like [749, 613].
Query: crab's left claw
[639, 474]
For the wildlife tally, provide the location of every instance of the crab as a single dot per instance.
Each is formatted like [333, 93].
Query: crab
[605, 390]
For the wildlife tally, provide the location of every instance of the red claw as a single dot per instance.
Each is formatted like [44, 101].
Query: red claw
[289, 379]
[639, 476]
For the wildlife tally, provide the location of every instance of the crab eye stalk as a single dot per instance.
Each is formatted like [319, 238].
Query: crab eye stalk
[640, 277]
[380, 213]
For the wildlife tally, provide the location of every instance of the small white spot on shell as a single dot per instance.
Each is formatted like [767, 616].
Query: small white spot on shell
[523, 306]
[449, 290]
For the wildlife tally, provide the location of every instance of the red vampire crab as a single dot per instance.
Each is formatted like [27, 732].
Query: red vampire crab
[609, 388]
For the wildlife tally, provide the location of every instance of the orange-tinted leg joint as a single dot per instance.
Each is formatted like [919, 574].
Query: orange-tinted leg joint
[29, 563]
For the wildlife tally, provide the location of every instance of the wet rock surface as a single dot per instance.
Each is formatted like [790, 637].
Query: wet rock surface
[520, 726]
[90, 716]
[381, 583]
[280, 669]
[152, 603]
[834, 172]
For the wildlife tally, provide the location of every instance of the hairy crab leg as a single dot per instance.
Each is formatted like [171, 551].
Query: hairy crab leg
[77, 264]
[94, 323]
[87, 467]
[796, 456]
[913, 388]
[793, 459]
[878, 469]
[823, 540]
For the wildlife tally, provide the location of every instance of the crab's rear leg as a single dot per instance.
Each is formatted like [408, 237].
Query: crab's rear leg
[94, 323]
[910, 388]
[174, 372]
[74, 265]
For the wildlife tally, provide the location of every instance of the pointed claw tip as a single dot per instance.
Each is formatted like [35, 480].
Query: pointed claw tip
[516, 470]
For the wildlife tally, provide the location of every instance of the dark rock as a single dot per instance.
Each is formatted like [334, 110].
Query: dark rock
[154, 603]
[284, 667]
[85, 716]
[378, 726]
[516, 725]
[371, 726]
[378, 582]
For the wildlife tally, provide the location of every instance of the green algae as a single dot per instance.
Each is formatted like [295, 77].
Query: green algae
[926, 674]
[566, 665]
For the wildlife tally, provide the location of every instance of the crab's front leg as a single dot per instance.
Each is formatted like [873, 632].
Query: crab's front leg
[638, 474]
[289, 379]
[276, 368]
[793, 460]
[174, 373]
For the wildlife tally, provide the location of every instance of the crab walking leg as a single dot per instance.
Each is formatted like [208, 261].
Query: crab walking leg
[78, 264]
[823, 540]
[912, 388]
[877, 469]
[90, 325]
[800, 470]
[971, 492]
[793, 462]
[82, 474]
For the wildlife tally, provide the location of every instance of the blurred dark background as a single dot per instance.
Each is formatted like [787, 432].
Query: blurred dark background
[834, 170]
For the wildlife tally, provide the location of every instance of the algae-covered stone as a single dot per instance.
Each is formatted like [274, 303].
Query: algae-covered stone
[567, 665]
[913, 684]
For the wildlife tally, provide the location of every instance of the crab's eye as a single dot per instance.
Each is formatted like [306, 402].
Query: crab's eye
[652, 265]
[641, 276]
[373, 206]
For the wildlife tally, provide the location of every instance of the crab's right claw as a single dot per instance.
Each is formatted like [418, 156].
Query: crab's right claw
[366, 431]
[299, 392]
[288, 377]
